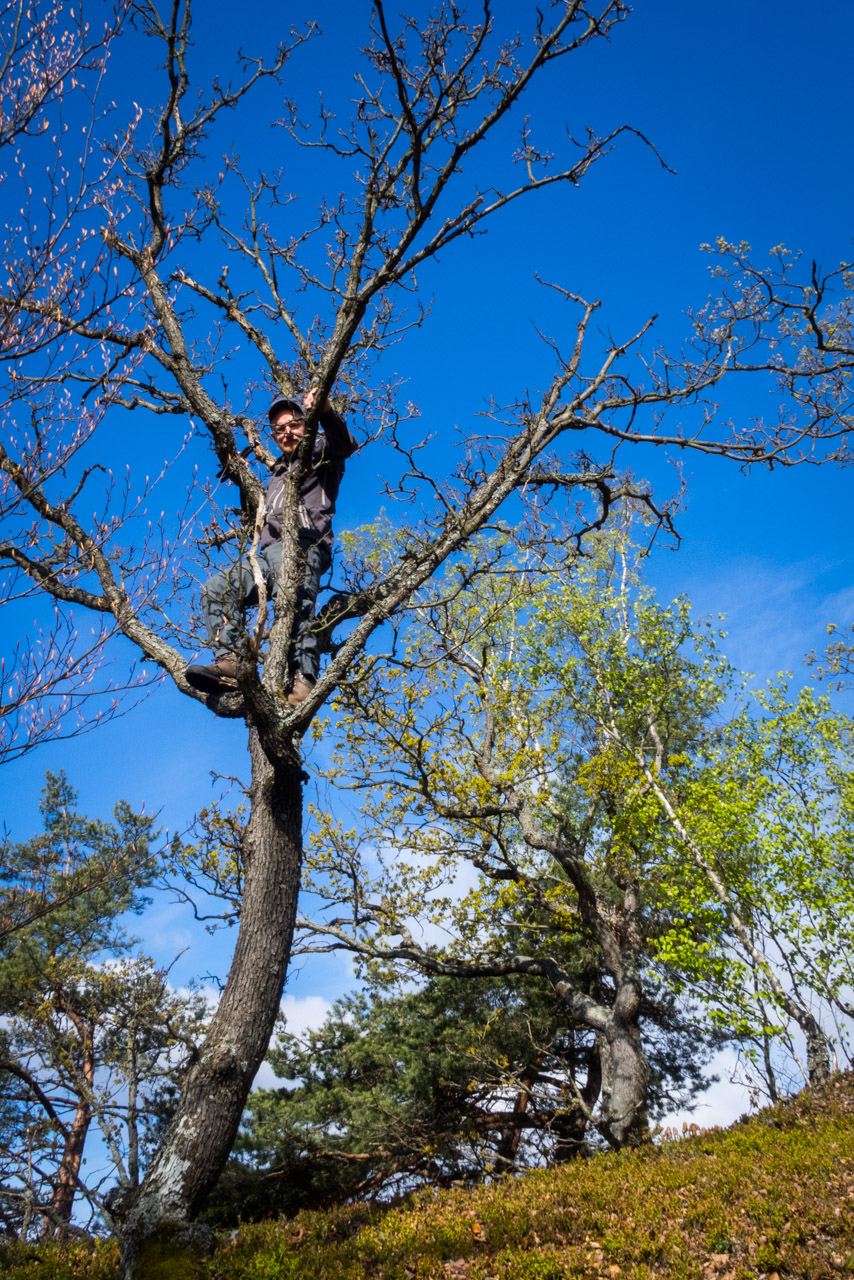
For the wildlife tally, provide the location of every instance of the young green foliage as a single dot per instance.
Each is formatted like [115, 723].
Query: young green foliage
[494, 812]
[549, 758]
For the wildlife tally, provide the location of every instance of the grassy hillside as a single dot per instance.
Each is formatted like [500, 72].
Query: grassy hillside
[771, 1197]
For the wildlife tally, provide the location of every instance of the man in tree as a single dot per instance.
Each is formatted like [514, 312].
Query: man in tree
[225, 595]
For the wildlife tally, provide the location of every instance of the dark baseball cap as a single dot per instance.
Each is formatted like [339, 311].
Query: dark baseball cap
[285, 403]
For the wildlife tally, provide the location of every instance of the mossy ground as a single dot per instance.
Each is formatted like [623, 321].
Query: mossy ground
[771, 1197]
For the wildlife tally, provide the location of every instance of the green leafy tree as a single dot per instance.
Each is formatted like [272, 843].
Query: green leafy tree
[467, 749]
[573, 744]
[763, 817]
[757, 815]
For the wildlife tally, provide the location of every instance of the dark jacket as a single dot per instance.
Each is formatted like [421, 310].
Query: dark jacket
[319, 489]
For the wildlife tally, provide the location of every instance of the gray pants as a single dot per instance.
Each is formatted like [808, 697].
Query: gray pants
[226, 596]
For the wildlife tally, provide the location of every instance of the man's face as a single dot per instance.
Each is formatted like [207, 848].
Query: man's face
[287, 430]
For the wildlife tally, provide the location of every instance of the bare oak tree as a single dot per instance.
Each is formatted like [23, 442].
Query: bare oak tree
[130, 312]
[52, 63]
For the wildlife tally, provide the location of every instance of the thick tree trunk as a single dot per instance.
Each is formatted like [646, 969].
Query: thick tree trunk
[625, 1071]
[154, 1221]
[624, 1086]
[818, 1050]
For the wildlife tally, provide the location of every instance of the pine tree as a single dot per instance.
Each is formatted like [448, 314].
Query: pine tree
[91, 1030]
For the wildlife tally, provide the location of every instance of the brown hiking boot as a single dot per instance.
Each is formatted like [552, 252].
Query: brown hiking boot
[216, 678]
[300, 689]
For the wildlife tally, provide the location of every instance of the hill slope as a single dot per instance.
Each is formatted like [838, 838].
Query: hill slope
[771, 1197]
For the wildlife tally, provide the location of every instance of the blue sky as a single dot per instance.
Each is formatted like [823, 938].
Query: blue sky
[750, 103]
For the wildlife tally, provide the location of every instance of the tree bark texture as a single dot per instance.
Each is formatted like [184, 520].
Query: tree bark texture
[818, 1051]
[61, 1205]
[625, 1070]
[154, 1221]
[624, 1085]
[62, 1201]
